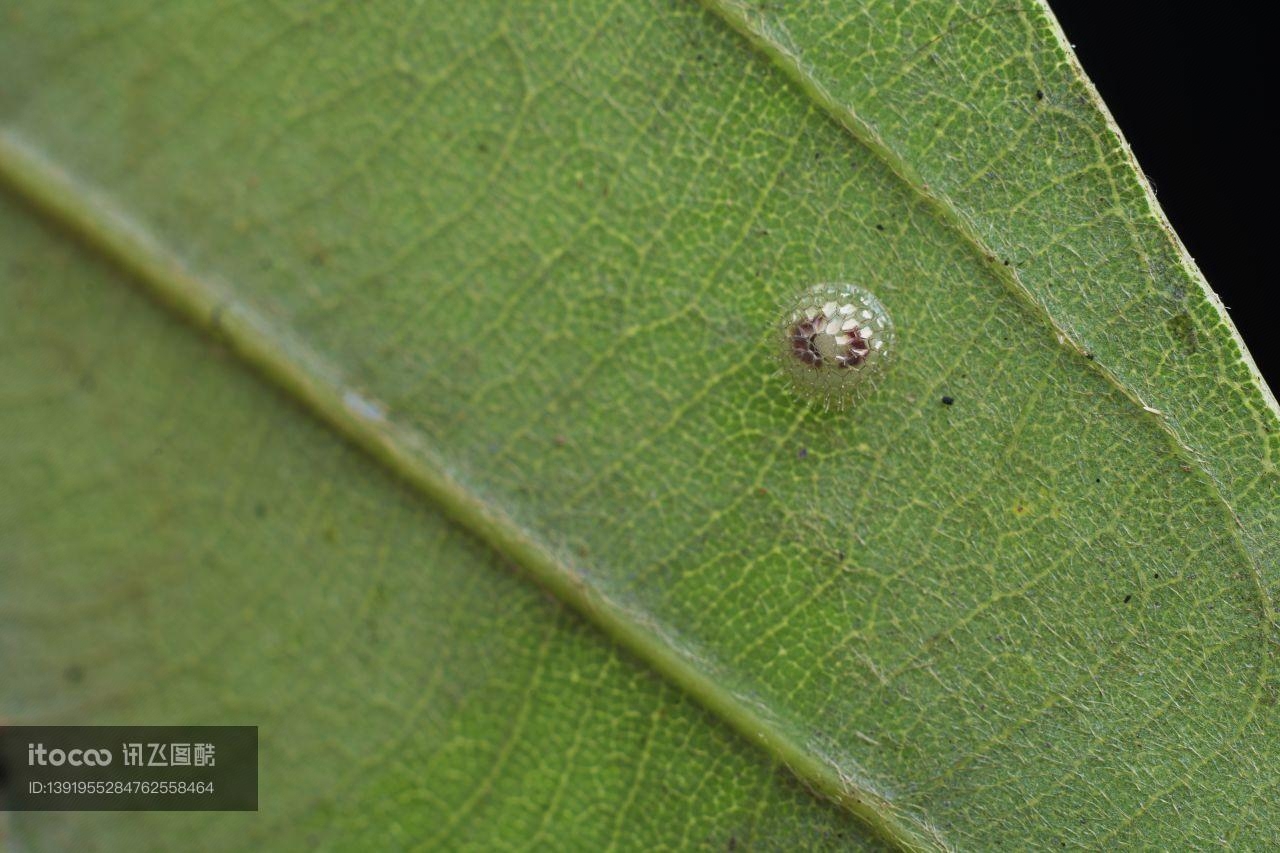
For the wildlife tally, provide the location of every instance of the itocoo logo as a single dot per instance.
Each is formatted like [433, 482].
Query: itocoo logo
[38, 755]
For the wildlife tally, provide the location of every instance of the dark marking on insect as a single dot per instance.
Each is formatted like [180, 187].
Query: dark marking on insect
[803, 340]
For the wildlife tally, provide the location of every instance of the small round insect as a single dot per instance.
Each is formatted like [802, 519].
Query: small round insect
[833, 341]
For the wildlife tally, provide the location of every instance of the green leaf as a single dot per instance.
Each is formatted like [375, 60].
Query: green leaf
[192, 547]
[525, 258]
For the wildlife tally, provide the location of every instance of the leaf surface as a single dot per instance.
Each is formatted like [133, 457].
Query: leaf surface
[193, 547]
[527, 258]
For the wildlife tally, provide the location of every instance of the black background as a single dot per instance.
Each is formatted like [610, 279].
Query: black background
[1185, 83]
